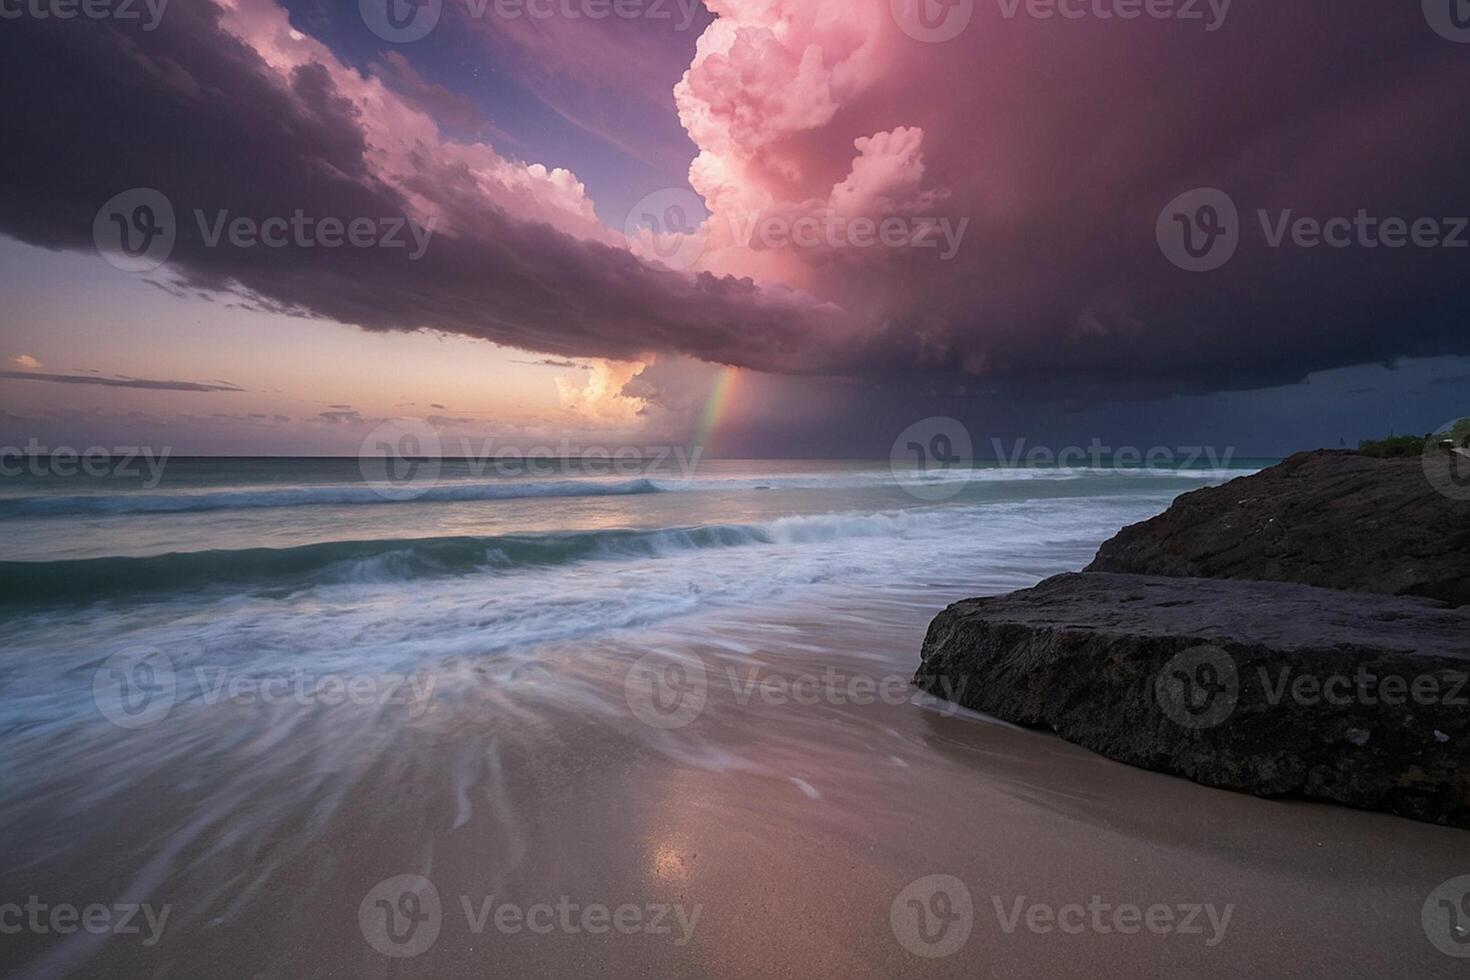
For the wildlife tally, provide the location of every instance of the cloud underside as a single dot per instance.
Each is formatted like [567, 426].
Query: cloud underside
[1058, 142]
[144, 383]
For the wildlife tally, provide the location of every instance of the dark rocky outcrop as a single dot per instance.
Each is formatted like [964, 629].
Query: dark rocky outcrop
[1223, 682]
[1331, 519]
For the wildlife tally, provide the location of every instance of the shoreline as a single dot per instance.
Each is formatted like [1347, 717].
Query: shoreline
[712, 815]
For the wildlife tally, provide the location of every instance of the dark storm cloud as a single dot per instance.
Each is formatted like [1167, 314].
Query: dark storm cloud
[1060, 141]
[1066, 141]
[191, 111]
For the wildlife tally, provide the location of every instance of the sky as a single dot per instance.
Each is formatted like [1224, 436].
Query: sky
[773, 227]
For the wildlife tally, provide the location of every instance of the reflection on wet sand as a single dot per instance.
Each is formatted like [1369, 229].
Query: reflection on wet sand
[783, 819]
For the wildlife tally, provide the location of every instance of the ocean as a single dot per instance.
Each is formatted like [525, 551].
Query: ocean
[255, 690]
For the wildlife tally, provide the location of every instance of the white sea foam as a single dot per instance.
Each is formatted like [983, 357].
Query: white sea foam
[460, 491]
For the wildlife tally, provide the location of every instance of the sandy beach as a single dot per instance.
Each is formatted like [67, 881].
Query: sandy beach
[772, 834]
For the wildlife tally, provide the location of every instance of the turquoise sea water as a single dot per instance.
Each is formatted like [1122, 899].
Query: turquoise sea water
[175, 656]
[200, 530]
[264, 563]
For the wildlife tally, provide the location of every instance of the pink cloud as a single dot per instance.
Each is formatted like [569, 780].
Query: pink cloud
[1055, 143]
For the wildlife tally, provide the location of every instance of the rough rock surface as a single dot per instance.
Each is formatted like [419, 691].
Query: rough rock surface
[1331, 519]
[1229, 683]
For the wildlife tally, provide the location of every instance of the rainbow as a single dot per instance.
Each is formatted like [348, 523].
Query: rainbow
[714, 411]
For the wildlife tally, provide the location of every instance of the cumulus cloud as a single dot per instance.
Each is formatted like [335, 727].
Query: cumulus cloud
[1058, 142]
[26, 362]
[601, 398]
[517, 256]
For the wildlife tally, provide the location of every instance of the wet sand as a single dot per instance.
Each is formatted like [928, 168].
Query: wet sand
[783, 834]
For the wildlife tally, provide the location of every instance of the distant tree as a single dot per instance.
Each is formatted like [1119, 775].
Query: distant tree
[1454, 434]
[1394, 447]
